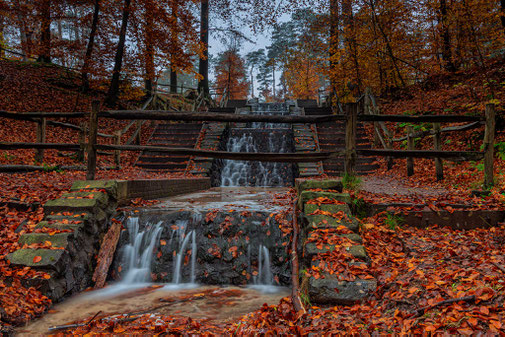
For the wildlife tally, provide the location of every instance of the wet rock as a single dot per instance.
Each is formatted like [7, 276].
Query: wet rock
[228, 245]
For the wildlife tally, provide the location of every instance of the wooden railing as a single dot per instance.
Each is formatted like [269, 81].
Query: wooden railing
[351, 118]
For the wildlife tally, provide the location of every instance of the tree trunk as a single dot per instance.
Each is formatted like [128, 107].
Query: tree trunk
[89, 50]
[2, 39]
[446, 38]
[114, 84]
[175, 39]
[173, 81]
[502, 14]
[45, 31]
[350, 36]
[22, 30]
[273, 76]
[149, 52]
[334, 42]
[252, 81]
[203, 84]
[386, 40]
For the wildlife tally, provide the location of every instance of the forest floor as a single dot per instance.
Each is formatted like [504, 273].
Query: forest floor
[415, 268]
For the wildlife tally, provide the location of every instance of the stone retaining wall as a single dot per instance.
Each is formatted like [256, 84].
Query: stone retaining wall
[64, 245]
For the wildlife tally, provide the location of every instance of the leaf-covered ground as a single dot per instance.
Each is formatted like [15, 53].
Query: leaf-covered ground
[416, 269]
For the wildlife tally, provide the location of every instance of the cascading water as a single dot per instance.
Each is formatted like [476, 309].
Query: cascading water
[259, 137]
[181, 250]
[264, 276]
[139, 252]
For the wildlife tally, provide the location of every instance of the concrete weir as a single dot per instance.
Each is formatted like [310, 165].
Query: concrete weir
[222, 236]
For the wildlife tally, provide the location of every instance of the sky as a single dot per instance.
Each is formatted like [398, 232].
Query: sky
[261, 40]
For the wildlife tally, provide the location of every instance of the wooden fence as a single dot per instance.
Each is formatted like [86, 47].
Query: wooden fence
[351, 153]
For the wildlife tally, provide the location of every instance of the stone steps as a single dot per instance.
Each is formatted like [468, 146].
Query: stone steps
[329, 288]
[305, 140]
[211, 138]
[68, 256]
[175, 135]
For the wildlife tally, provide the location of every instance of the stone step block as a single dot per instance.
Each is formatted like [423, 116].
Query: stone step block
[53, 259]
[73, 205]
[304, 185]
[59, 226]
[310, 195]
[110, 186]
[332, 208]
[357, 251]
[325, 221]
[57, 240]
[329, 290]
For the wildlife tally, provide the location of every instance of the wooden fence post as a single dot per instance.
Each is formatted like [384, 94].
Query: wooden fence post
[437, 139]
[117, 153]
[138, 138]
[92, 135]
[82, 142]
[410, 146]
[489, 146]
[350, 138]
[41, 138]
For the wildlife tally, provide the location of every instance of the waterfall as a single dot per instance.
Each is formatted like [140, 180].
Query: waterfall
[259, 137]
[264, 276]
[184, 240]
[139, 251]
[177, 275]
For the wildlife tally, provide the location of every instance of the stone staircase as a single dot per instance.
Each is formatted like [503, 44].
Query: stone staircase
[332, 138]
[333, 256]
[210, 139]
[329, 136]
[176, 135]
[306, 141]
[64, 245]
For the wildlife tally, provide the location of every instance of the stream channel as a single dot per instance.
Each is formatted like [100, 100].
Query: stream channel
[233, 239]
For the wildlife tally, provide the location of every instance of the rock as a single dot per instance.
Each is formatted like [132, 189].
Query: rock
[324, 221]
[310, 195]
[319, 184]
[329, 290]
[110, 186]
[332, 208]
[50, 258]
[57, 240]
[357, 251]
